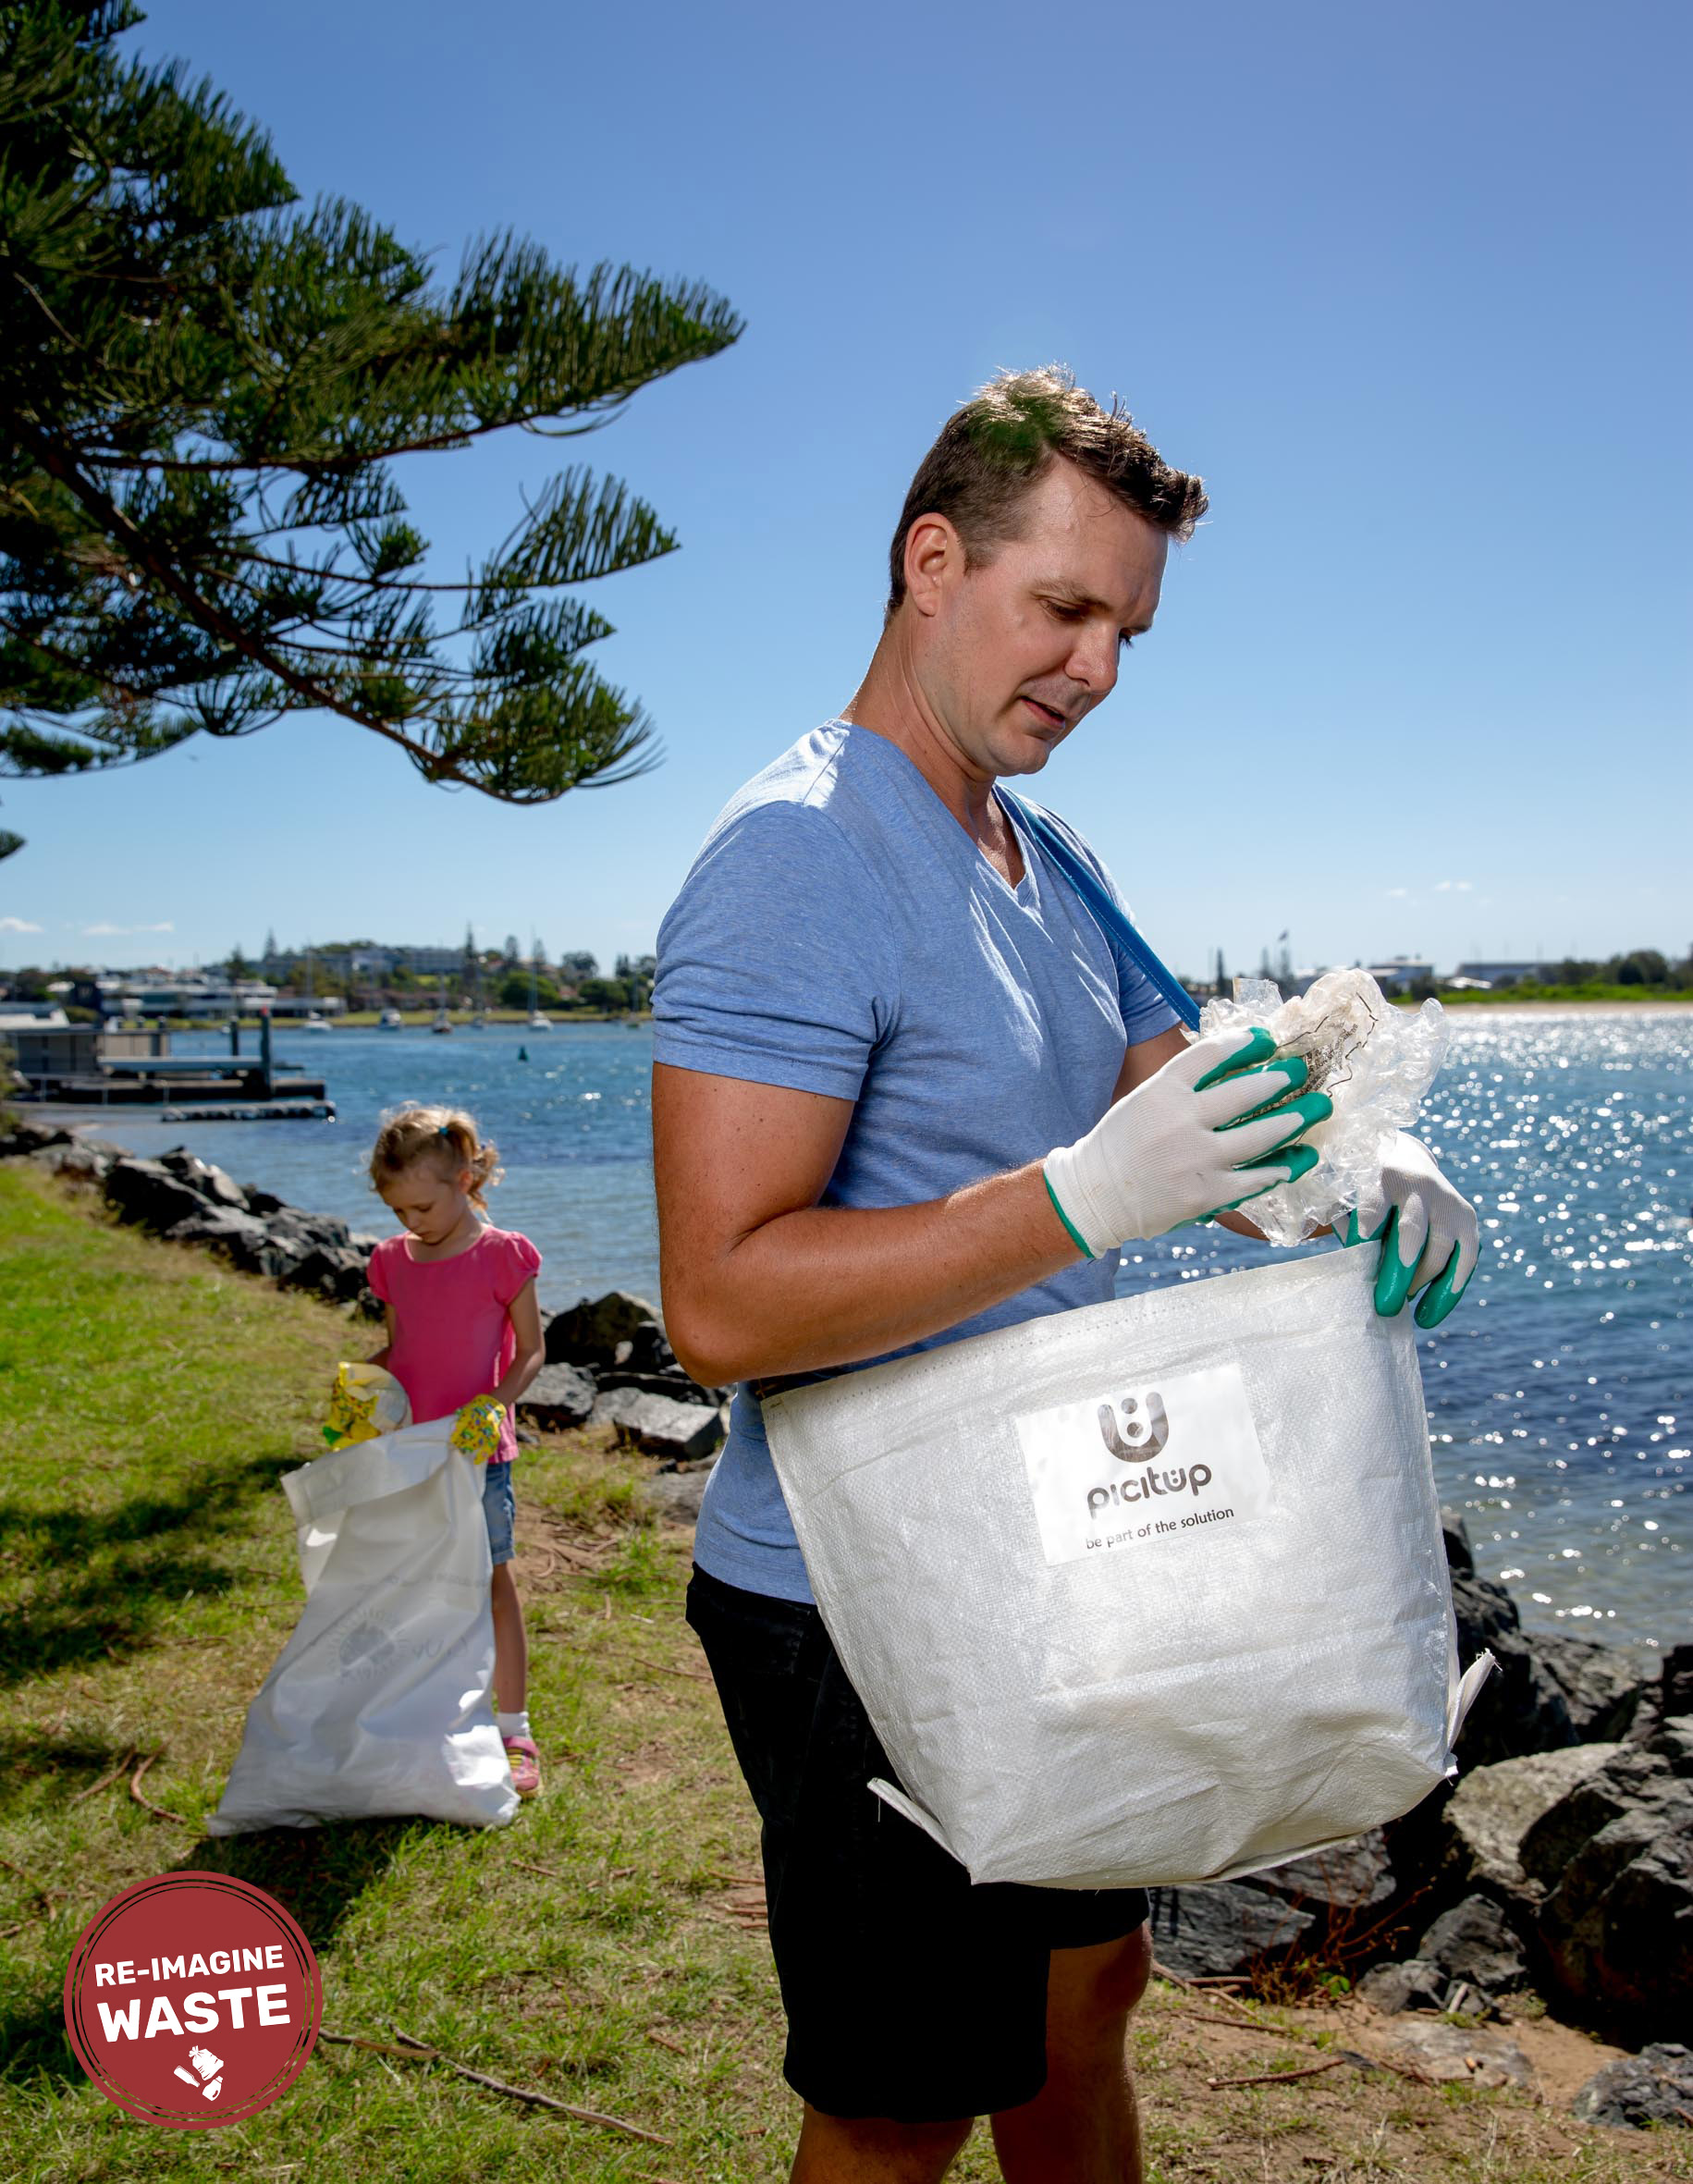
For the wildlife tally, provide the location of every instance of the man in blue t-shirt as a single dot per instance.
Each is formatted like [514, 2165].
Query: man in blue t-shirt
[907, 1088]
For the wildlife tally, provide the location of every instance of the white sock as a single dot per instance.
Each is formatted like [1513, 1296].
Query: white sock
[513, 1724]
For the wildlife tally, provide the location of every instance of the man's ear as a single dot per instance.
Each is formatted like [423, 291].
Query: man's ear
[934, 559]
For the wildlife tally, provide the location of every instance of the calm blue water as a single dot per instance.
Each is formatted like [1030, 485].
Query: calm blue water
[1560, 1393]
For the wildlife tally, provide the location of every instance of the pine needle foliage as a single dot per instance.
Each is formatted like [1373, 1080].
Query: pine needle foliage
[205, 390]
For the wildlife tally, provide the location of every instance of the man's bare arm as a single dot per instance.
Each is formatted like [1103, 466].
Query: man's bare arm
[759, 1279]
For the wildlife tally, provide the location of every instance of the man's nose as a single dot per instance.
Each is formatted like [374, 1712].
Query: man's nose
[1093, 663]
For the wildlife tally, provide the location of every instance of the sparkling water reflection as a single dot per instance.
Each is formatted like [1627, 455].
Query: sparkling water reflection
[1560, 1393]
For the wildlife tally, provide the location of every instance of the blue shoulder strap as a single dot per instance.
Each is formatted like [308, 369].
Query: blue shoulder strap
[1111, 918]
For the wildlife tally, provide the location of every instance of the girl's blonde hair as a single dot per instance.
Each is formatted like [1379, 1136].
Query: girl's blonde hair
[445, 1136]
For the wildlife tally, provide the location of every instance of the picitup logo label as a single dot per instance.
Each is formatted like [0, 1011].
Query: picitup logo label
[1144, 1466]
[1138, 1428]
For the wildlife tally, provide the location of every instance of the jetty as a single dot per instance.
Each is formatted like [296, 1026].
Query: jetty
[89, 1065]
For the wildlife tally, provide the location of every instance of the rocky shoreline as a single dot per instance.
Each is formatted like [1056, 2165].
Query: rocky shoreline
[607, 1362]
[1559, 1867]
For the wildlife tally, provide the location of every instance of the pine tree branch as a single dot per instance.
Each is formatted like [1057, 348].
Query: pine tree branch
[57, 464]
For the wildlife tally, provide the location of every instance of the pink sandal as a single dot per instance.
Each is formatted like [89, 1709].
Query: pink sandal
[525, 1763]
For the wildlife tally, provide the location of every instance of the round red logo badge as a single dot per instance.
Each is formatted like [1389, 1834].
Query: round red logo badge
[192, 2000]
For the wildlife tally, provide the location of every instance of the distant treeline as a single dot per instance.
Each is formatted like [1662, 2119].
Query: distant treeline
[1640, 973]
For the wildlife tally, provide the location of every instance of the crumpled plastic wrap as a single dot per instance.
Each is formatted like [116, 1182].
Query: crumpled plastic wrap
[1375, 1063]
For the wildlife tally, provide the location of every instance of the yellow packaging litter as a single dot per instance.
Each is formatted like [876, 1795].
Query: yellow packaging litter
[365, 1402]
[476, 1429]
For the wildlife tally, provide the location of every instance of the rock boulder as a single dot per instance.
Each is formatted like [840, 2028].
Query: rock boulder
[590, 1331]
[1475, 1944]
[559, 1396]
[1493, 1808]
[1462, 2054]
[679, 1432]
[1392, 1988]
[144, 1194]
[333, 1270]
[1669, 1695]
[221, 1229]
[199, 1175]
[19, 1137]
[676, 1495]
[1615, 1859]
[1222, 1929]
[1352, 1876]
[646, 1351]
[1656, 2086]
[80, 1161]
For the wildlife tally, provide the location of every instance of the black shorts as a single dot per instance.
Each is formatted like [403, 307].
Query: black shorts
[909, 1993]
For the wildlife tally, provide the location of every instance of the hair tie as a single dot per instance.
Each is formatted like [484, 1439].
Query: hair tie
[445, 1130]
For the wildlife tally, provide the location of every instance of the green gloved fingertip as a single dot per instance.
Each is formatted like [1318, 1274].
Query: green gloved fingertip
[1283, 1076]
[1301, 1113]
[1442, 1294]
[1297, 1160]
[1259, 1046]
[1393, 1278]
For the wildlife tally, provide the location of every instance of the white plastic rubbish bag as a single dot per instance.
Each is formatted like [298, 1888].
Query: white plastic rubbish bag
[1146, 1593]
[378, 1704]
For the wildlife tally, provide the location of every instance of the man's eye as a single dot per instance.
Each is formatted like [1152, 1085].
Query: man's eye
[1125, 644]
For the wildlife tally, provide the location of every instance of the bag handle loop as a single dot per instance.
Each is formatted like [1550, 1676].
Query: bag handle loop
[1109, 915]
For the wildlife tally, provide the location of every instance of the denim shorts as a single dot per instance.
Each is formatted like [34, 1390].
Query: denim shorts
[908, 1991]
[499, 1506]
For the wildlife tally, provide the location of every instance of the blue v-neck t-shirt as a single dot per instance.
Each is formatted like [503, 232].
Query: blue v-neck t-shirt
[839, 932]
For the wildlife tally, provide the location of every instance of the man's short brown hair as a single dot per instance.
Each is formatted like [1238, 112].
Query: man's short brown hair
[994, 449]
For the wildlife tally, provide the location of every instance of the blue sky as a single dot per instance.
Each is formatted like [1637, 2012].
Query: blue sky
[1405, 284]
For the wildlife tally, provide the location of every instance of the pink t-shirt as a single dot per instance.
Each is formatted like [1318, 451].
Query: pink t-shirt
[453, 1336]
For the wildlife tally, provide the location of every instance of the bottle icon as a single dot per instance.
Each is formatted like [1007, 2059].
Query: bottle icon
[209, 2065]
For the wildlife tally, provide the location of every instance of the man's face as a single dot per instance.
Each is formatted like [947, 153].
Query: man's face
[1016, 649]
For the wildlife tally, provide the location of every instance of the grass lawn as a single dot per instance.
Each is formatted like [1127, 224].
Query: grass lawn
[607, 1947]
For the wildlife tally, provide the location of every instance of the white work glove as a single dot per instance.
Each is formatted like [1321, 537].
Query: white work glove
[1428, 1234]
[1179, 1149]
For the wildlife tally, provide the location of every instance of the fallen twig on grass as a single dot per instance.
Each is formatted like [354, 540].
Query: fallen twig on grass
[529, 1866]
[1279, 2077]
[375, 2047]
[1239, 2024]
[658, 2040]
[532, 2099]
[659, 1668]
[105, 1781]
[616, 1874]
[147, 1803]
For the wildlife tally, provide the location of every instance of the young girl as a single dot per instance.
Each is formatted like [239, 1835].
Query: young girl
[462, 1323]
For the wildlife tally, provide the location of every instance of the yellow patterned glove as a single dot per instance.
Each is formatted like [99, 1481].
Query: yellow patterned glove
[476, 1429]
[364, 1404]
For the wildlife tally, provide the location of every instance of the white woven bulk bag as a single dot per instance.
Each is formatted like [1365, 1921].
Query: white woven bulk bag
[379, 1703]
[1151, 1592]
